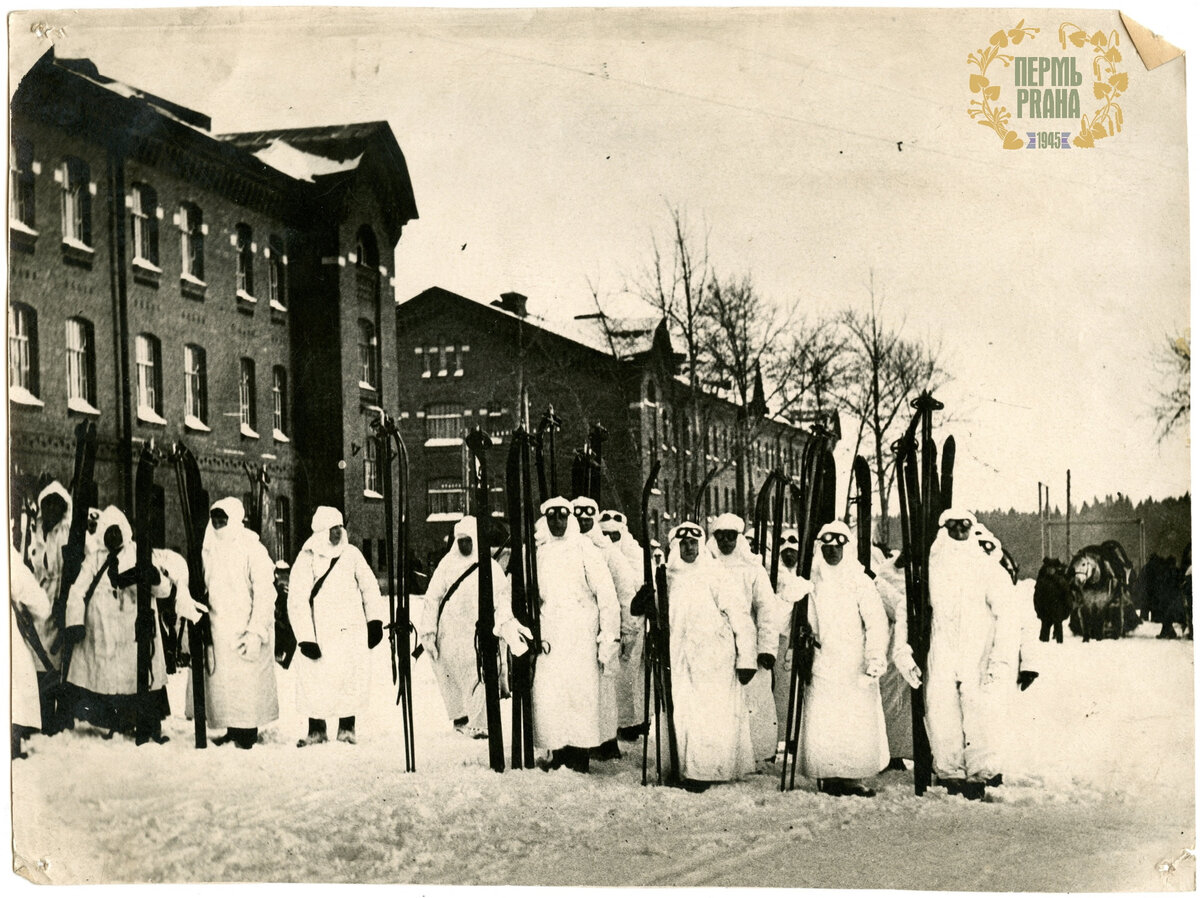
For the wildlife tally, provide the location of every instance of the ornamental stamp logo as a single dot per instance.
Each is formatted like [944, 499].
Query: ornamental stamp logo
[1054, 108]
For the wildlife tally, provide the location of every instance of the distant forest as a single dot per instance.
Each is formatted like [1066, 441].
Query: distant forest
[1168, 526]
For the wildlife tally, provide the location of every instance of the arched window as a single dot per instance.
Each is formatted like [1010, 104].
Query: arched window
[144, 219]
[368, 355]
[244, 241]
[148, 353]
[81, 366]
[366, 249]
[22, 354]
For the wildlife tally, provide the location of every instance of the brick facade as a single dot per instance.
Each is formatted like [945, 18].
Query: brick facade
[305, 226]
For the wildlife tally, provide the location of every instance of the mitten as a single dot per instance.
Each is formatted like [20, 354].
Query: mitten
[310, 650]
[516, 636]
[374, 633]
[643, 600]
[745, 675]
[766, 660]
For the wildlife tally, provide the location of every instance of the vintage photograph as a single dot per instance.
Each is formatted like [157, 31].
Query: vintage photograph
[659, 447]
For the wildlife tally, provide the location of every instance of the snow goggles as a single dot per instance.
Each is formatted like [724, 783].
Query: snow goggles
[585, 512]
[612, 516]
[557, 512]
[791, 541]
[833, 539]
[689, 533]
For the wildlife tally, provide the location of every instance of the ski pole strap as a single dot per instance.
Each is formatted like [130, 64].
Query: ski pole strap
[91, 590]
[29, 634]
[316, 588]
[450, 592]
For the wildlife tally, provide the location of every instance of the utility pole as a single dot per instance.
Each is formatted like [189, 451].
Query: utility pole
[1068, 515]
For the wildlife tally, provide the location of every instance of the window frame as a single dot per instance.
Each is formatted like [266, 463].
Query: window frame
[27, 379]
[368, 355]
[76, 202]
[191, 243]
[195, 387]
[81, 365]
[247, 397]
[244, 246]
[22, 181]
[143, 214]
[280, 419]
[148, 370]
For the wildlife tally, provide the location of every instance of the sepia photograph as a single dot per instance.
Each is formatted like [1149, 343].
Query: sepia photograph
[614, 447]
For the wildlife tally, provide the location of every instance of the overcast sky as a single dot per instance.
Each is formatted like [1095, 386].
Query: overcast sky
[816, 146]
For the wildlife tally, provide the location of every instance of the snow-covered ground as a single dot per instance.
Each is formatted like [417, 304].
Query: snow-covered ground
[1099, 796]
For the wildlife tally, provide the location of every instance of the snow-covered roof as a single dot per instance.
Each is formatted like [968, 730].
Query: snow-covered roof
[282, 156]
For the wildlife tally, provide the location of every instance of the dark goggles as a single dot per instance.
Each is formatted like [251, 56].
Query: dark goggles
[790, 541]
[959, 522]
[833, 539]
[585, 512]
[613, 516]
[689, 533]
[558, 512]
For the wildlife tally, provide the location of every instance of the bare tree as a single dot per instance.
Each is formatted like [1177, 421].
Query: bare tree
[749, 344]
[1174, 407]
[886, 372]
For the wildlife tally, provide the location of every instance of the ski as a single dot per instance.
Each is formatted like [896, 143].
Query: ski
[813, 503]
[193, 501]
[83, 497]
[486, 645]
[862, 504]
[145, 622]
[543, 449]
[522, 566]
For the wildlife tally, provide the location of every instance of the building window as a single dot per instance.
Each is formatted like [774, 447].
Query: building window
[368, 354]
[283, 528]
[366, 251]
[22, 354]
[144, 213]
[445, 499]
[443, 423]
[244, 238]
[276, 285]
[247, 402]
[427, 359]
[279, 401]
[371, 469]
[148, 353]
[191, 241]
[20, 183]
[195, 387]
[76, 202]
[81, 366]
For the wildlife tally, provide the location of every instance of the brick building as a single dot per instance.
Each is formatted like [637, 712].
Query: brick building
[464, 363]
[230, 291]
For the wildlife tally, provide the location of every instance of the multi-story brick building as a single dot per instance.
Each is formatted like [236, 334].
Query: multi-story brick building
[464, 363]
[232, 292]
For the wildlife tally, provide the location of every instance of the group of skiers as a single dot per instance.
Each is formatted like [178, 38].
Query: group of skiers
[80, 663]
[729, 634]
[730, 658]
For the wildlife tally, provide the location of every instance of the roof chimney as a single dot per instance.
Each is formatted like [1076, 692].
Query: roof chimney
[514, 302]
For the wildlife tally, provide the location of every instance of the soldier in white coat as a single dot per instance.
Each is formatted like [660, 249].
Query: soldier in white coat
[713, 654]
[240, 691]
[626, 582]
[448, 625]
[902, 675]
[631, 698]
[337, 613]
[789, 590]
[971, 646]
[843, 738]
[731, 552]
[581, 628]
[101, 631]
[50, 533]
[29, 601]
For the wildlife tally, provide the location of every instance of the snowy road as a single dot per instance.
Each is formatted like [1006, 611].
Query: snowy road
[1099, 794]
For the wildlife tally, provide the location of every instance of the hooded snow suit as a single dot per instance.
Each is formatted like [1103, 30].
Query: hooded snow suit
[632, 672]
[842, 731]
[581, 626]
[448, 625]
[750, 581]
[971, 645]
[28, 596]
[712, 635]
[335, 618]
[240, 578]
[103, 666]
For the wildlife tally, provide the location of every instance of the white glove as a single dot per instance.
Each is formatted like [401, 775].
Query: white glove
[188, 608]
[608, 654]
[796, 590]
[429, 640]
[910, 672]
[516, 636]
[249, 645]
[876, 668]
